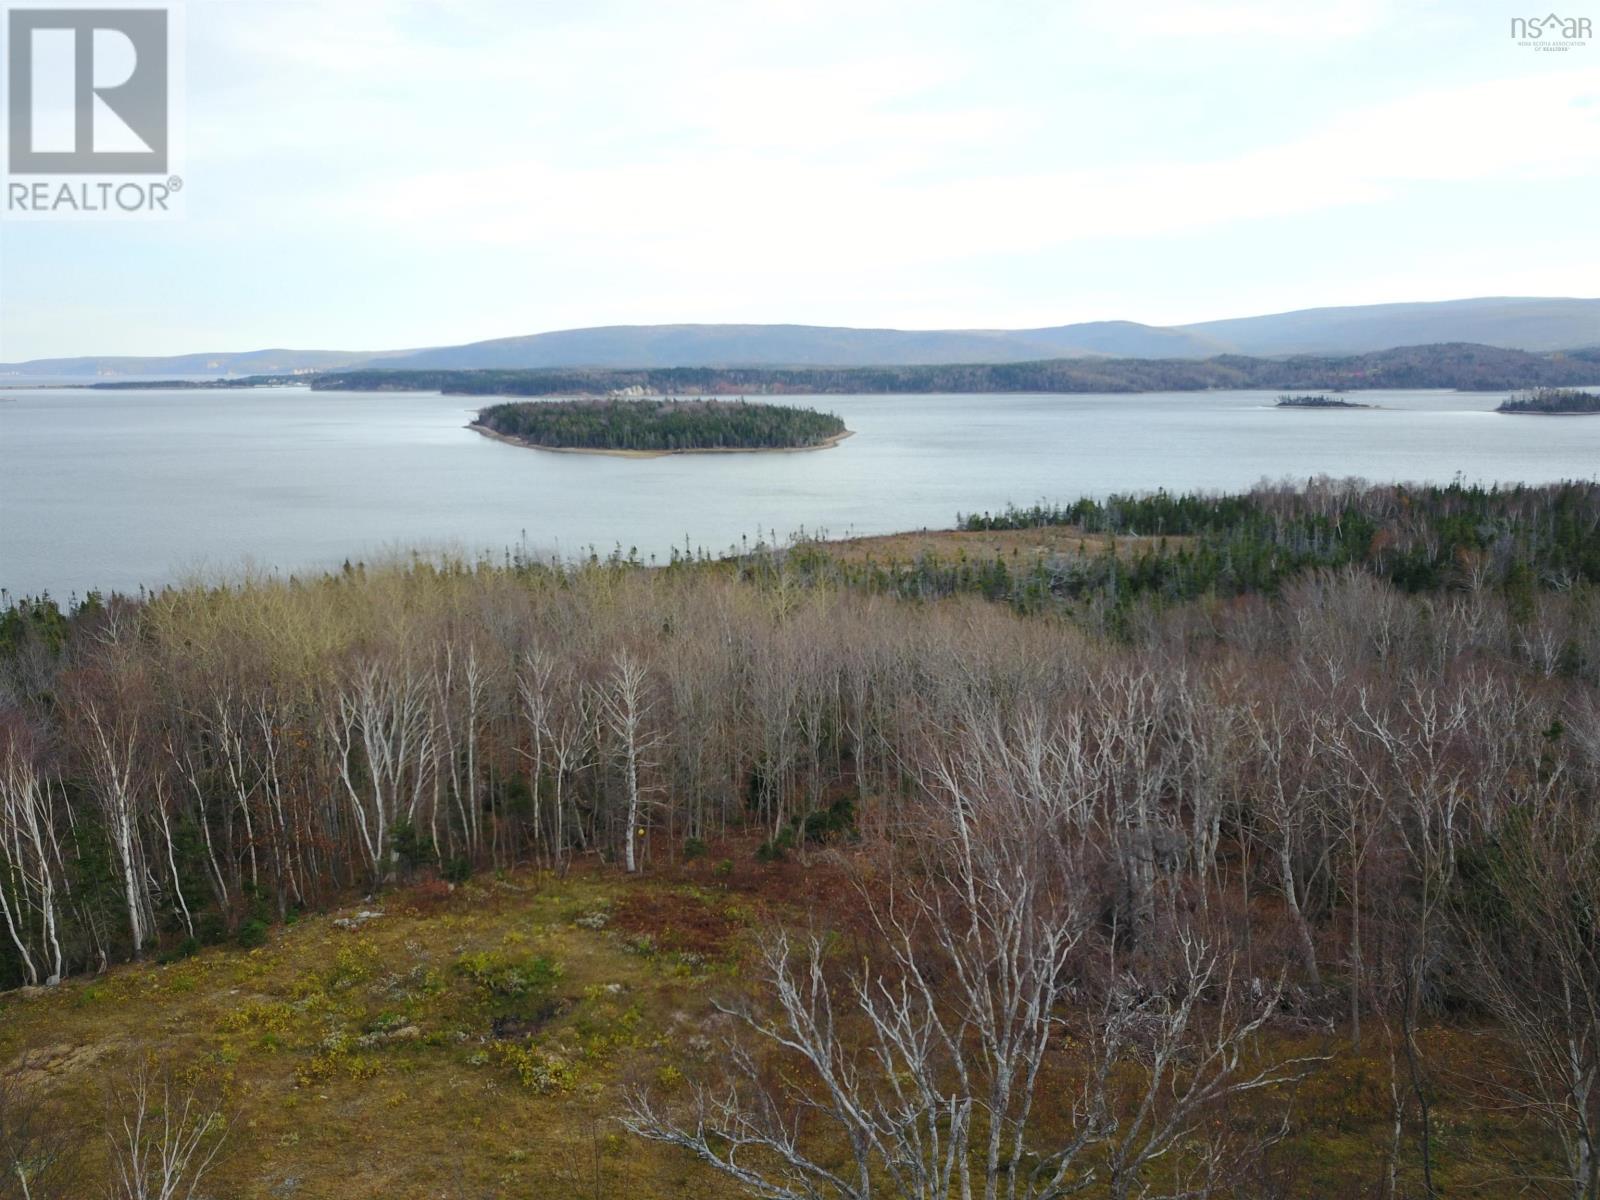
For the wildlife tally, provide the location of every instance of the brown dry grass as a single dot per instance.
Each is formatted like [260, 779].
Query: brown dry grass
[1044, 542]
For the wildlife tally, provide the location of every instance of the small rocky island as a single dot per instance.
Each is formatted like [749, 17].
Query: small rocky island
[646, 428]
[1552, 402]
[1319, 401]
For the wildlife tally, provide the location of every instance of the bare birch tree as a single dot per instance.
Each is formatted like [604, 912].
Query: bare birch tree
[626, 704]
[115, 758]
[1530, 926]
[382, 729]
[958, 1016]
[162, 1140]
[32, 870]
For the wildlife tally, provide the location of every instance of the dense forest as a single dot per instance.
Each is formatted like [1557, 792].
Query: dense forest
[1417, 539]
[1456, 365]
[661, 426]
[1552, 400]
[1136, 858]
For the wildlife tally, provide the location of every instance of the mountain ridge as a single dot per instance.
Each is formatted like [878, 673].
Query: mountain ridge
[1534, 324]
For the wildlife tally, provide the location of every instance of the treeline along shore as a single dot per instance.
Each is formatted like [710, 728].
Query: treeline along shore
[1463, 366]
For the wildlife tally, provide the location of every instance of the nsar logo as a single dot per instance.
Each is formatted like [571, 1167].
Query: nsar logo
[1552, 32]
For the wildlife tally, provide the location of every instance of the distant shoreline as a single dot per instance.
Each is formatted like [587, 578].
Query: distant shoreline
[826, 444]
[1465, 367]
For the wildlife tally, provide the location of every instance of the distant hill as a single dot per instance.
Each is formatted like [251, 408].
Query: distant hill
[178, 366]
[1524, 323]
[1527, 323]
[636, 346]
[1455, 365]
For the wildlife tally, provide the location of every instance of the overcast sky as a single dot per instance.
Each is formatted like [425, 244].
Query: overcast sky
[366, 174]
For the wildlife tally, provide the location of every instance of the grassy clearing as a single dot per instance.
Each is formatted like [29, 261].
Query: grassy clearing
[464, 1046]
[474, 1044]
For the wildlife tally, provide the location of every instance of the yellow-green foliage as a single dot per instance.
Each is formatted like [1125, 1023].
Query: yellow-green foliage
[352, 964]
[539, 1070]
[267, 1016]
[501, 976]
[338, 1039]
[325, 1066]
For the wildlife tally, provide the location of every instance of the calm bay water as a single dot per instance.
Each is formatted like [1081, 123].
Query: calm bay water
[112, 490]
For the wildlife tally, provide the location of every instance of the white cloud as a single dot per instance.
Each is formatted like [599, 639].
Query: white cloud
[741, 193]
[1235, 18]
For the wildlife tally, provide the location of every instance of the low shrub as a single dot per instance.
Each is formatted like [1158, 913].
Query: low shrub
[538, 1070]
[500, 976]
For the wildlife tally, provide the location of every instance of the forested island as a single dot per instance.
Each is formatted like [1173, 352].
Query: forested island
[1317, 401]
[1552, 402]
[1265, 832]
[651, 427]
[1465, 366]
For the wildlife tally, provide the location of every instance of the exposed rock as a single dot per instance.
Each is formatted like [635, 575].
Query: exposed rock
[357, 921]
